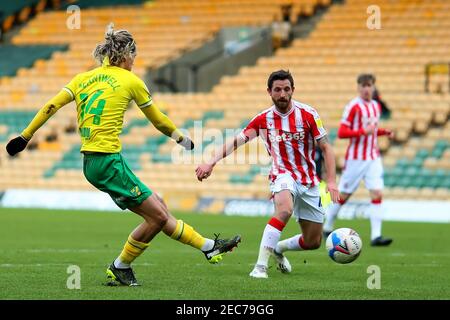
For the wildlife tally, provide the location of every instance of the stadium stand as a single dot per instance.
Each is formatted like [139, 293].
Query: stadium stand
[325, 65]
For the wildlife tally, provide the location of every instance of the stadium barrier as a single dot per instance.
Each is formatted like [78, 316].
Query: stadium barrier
[395, 210]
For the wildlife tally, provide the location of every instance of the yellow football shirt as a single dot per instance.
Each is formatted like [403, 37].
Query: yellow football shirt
[102, 96]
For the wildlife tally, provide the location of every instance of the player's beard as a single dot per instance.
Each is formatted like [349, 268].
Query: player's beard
[282, 105]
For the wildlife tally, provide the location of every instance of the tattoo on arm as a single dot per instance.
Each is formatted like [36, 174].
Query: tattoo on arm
[324, 140]
[50, 109]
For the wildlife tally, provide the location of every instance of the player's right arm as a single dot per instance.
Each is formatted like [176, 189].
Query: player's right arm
[204, 170]
[19, 143]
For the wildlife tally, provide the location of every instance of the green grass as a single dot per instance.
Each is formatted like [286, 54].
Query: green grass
[37, 246]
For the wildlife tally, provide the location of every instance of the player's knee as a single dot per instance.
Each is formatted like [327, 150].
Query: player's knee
[343, 198]
[376, 196]
[313, 244]
[158, 217]
[162, 218]
[284, 214]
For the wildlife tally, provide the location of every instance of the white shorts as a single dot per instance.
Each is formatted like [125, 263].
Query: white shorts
[307, 202]
[356, 170]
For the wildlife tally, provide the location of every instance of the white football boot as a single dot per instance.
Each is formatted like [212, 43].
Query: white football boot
[282, 262]
[259, 271]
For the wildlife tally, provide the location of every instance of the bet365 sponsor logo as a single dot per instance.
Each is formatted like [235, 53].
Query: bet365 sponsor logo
[287, 136]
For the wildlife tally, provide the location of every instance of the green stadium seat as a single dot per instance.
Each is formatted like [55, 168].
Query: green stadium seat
[215, 114]
[397, 172]
[433, 182]
[13, 57]
[422, 154]
[241, 179]
[418, 182]
[417, 163]
[189, 123]
[425, 173]
[411, 171]
[254, 170]
[404, 182]
[9, 8]
[403, 163]
[164, 158]
[153, 144]
[135, 123]
[390, 180]
[332, 134]
[244, 123]
[439, 149]
[106, 3]
[15, 121]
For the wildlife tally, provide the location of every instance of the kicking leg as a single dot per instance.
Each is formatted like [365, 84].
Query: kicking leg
[184, 233]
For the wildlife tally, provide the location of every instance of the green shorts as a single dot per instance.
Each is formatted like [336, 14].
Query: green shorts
[109, 172]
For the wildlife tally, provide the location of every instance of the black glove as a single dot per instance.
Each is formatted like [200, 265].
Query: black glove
[186, 143]
[16, 145]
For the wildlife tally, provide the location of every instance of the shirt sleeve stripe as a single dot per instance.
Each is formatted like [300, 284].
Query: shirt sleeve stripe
[243, 136]
[348, 123]
[69, 91]
[320, 136]
[146, 104]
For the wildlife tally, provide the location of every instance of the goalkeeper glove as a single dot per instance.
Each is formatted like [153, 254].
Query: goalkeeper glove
[16, 145]
[186, 143]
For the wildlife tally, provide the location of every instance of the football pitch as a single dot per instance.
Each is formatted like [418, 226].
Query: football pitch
[38, 246]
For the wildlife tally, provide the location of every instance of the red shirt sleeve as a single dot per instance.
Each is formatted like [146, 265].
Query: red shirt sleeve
[346, 132]
[315, 123]
[251, 131]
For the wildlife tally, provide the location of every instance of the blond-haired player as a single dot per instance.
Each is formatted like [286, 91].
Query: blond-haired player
[102, 96]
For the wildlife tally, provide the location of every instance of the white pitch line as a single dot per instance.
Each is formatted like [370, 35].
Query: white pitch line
[52, 250]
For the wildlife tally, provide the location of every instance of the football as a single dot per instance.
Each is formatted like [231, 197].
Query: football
[344, 245]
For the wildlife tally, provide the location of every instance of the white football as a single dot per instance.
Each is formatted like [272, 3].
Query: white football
[344, 245]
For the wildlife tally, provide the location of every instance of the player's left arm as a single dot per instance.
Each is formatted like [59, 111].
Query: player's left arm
[385, 132]
[19, 143]
[141, 95]
[320, 135]
[166, 126]
[330, 166]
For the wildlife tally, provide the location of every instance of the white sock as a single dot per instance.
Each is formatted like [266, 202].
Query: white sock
[208, 245]
[290, 244]
[332, 212]
[120, 265]
[269, 241]
[376, 218]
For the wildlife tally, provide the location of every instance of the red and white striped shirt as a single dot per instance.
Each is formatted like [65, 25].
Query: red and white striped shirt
[289, 140]
[358, 114]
